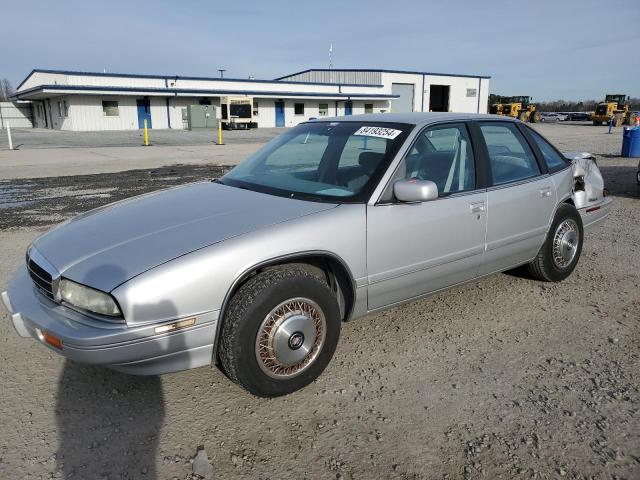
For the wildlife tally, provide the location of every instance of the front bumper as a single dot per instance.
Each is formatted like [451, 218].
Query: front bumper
[132, 350]
[594, 214]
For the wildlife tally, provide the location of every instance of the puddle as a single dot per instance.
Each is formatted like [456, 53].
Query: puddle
[13, 196]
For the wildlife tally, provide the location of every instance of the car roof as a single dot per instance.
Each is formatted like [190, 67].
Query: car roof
[414, 118]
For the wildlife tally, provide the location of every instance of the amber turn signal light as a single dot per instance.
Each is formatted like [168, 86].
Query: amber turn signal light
[176, 326]
[52, 340]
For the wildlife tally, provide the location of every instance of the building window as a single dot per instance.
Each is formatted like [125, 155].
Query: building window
[110, 108]
[255, 108]
[323, 109]
[368, 108]
[66, 108]
[298, 108]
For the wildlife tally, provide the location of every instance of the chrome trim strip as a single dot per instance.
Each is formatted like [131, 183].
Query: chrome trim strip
[519, 182]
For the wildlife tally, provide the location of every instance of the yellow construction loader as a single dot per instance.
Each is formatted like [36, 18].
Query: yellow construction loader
[519, 107]
[615, 108]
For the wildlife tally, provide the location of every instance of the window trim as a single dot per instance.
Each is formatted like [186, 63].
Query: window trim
[491, 185]
[479, 187]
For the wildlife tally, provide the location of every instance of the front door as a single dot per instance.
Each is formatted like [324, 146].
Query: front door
[417, 248]
[144, 112]
[521, 200]
[348, 108]
[279, 114]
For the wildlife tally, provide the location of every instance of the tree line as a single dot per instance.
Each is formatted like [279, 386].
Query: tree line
[579, 106]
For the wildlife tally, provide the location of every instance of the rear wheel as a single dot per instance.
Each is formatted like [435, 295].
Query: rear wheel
[597, 123]
[535, 117]
[280, 331]
[523, 116]
[559, 255]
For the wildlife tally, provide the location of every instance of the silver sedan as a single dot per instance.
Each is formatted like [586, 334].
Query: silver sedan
[332, 220]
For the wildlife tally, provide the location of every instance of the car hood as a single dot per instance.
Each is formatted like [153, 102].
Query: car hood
[106, 247]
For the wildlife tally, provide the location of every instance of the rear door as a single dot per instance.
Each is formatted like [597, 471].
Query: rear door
[418, 248]
[520, 200]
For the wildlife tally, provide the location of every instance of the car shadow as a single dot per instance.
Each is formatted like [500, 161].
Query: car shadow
[109, 422]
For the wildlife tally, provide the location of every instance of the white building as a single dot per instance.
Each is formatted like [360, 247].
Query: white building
[83, 101]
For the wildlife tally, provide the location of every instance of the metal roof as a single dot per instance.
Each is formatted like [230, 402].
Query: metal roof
[383, 70]
[178, 77]
[196, 92]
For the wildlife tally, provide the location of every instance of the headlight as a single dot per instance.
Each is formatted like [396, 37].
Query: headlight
[88, 298]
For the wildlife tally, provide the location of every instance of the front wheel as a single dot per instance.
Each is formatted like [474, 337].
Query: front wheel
[280, 331]
[559, 255]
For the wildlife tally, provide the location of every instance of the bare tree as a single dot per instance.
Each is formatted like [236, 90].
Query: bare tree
[6, 90]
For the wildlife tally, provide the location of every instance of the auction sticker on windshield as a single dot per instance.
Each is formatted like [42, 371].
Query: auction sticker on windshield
[380, 132]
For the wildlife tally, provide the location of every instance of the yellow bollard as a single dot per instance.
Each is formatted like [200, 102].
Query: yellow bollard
[220, 133]
[146, 134]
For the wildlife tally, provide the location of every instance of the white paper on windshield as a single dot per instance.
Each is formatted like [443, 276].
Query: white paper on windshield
[379, 132]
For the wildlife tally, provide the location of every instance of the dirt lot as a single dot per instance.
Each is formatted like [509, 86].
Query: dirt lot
[504, 378]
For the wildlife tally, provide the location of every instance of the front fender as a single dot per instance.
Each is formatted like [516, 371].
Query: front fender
[200, 281]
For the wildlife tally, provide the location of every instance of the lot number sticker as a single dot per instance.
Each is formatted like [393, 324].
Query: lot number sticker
[379, 132]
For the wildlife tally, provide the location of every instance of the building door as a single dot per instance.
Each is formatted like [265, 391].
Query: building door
[279, 114]
[348, 108]
[439, 98]
[404, 103]
[144, 112]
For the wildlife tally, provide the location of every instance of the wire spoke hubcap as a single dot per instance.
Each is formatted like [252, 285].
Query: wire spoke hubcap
[290, 338]
[565, 243]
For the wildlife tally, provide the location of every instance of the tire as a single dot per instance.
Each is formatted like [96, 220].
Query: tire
[638, 177]
[259, 323]
[523, 116]
[534, 117]
[597, 123]
[564, 240]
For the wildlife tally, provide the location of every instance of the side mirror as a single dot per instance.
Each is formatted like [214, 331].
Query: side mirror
[409, 190]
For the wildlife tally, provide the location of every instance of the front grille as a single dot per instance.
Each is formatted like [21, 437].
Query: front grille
[42, 279]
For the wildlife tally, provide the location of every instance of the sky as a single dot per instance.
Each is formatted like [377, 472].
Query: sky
[549, 49]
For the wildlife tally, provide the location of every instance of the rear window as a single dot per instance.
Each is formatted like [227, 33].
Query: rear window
[555, 161]
[510, 156]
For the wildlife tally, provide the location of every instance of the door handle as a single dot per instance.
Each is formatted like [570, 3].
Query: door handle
[477, 207]
[545, 192]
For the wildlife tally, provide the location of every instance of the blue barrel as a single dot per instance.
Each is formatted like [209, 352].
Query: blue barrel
[631, 142]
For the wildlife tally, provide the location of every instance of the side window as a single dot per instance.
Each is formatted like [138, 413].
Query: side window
[554, 160]
[442, 154]
[511, 157]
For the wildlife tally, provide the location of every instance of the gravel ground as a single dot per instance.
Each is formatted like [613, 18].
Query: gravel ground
[504, 378]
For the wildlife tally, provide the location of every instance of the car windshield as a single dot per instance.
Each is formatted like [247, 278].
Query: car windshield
[337, 162]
